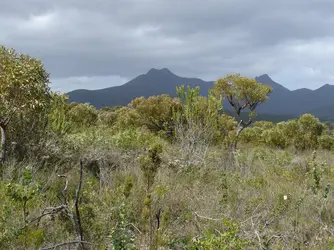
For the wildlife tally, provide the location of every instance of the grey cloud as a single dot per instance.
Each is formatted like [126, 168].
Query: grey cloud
[119, 39]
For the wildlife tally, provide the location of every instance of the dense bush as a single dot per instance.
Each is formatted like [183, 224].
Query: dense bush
[304, 133]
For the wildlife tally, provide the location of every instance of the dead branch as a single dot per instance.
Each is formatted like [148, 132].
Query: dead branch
[67, 243]
[75, 220]
[48, 211]
[80, 231]
[65, 188]
[136, 228]
[259, 238]
[207, 218]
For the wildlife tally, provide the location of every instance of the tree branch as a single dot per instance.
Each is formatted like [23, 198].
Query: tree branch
[48, 211]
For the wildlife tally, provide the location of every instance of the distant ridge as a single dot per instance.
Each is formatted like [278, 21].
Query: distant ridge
[282, 101]
[154, 82]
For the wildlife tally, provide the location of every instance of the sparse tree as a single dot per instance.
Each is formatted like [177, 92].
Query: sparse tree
[242, 93]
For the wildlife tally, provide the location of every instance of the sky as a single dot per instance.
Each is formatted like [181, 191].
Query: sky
[87, 44]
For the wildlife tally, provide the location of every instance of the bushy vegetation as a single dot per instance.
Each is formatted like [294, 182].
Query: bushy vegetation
[160, 173]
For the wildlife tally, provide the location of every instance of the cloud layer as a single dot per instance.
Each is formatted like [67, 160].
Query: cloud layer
[95, 44]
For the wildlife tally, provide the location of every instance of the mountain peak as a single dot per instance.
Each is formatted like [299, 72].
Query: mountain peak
[325, 87]
[264, 78]
[163, 71]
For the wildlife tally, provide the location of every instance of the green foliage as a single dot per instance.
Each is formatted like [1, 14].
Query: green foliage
[308, 130]
[132, 138]
[121, 236]
[58, 118]
[24, 100]
[24, 191]
[226, 240]
[275, 137]
[23, 83]
[264, 125]
[252, 135]
[107, 117]
[82, 115]
[199, 121]
[128, 184]
[317, 182]
[198, 110]
[241, 92]
[304, 133]
[149, 164]
[127, 118]
[22, 196]
[155, 112]
[326, 142]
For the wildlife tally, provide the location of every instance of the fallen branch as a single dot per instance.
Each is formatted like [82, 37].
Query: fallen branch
[136, 228]
[207, 218]
[67, 243]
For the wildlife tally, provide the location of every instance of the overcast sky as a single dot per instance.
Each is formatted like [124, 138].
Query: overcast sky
[101, 43]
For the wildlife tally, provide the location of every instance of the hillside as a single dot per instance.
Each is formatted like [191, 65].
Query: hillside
[154, 82]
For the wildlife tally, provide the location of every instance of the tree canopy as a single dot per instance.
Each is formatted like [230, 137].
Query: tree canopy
[242, 93]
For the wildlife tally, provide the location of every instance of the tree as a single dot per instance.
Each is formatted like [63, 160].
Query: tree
[23, 87]
[243, 94]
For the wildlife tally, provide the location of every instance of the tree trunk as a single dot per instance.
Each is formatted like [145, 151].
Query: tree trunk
[3, 144]
[234, 145]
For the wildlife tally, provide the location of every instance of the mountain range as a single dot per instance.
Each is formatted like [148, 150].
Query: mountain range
[282, 101]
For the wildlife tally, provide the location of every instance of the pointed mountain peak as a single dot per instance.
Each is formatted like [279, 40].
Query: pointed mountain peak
[265, 79]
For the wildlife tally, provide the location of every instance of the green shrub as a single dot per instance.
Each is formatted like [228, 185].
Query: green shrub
[221, 240]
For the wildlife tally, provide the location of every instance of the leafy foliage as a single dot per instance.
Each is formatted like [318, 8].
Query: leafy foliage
[226, 240]
[155, 112]
[24, 98]
[23, 84]
[242, 93]
[82, 115]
